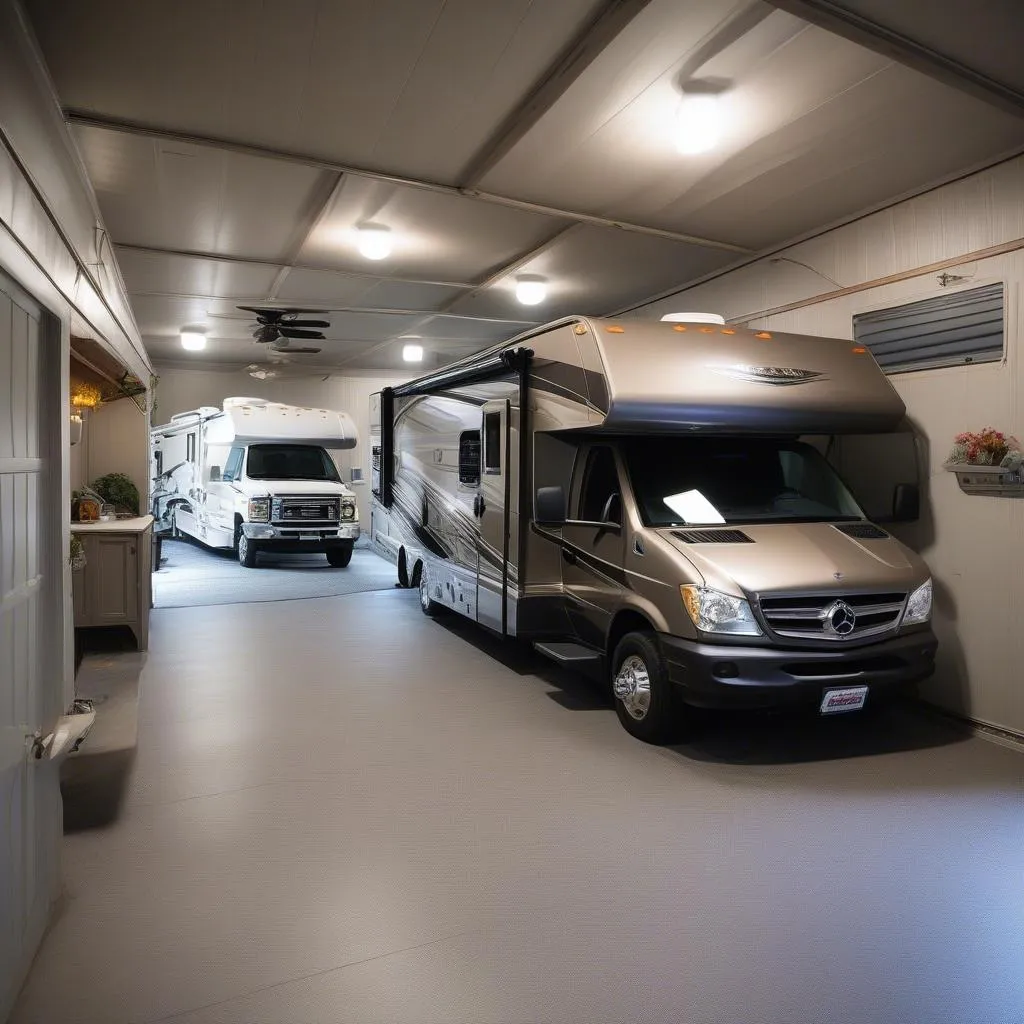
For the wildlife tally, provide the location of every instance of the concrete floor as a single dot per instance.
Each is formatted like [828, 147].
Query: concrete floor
[340, 811]
[191, 575]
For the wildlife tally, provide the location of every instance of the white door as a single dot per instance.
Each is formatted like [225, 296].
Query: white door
[492, 508]
[31, 628]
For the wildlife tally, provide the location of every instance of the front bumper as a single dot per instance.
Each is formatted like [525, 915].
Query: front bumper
[719, 676]
[307, 536]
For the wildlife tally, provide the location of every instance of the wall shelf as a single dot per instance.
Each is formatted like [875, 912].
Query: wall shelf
[990, 481]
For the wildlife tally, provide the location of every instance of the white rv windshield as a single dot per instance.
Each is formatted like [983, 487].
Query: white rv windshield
[681, 481]
[290, 462]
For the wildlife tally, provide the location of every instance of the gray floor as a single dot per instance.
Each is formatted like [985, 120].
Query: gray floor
[342, 812]
[191, 575]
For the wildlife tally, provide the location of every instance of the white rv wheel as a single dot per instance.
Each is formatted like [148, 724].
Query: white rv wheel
[427, 604]
[645, 700]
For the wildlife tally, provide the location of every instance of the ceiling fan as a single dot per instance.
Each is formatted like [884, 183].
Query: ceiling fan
[277, 327]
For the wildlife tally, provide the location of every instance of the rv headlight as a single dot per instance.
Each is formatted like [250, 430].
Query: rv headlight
[919, 607]
[259, 510]
[348, 510]
[714, 612]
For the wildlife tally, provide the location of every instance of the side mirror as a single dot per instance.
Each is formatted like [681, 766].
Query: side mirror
[549, 506]
[906, 503]
[214, 474]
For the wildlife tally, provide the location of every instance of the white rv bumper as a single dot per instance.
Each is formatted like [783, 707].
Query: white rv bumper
[268, 531]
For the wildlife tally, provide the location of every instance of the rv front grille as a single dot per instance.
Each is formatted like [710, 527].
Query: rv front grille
[832, 617]
[302, 509]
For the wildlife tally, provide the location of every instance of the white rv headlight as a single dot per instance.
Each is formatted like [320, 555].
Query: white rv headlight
[919, 607]
[714, 612]
[259, 510]
[348, 510]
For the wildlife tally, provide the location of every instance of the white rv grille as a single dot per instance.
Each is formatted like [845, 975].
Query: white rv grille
[832, 617]
[305, 509]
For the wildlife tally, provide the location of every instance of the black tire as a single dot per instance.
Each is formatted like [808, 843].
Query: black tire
[340, 555]
[403, 569]
[247, 551]
[645, 701]
[428, 605]
[238, 533]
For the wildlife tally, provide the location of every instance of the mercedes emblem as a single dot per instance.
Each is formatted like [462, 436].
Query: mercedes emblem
[840, 619]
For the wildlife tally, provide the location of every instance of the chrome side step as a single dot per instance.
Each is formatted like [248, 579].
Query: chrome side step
[570, 654]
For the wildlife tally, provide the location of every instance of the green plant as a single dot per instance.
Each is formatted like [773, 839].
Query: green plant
[76, 553]
[118, 490]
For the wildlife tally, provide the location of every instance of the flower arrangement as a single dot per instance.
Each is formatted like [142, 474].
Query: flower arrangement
[987, 447]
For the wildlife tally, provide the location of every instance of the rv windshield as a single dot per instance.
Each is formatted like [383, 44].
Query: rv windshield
[290, 462]
[703, 480]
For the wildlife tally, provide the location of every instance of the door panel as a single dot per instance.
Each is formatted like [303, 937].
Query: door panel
[493, 514]
[115, 588]
[31, 632]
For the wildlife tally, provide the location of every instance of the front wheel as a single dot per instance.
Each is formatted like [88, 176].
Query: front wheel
[645, 701]
[246, 552]
[340, 556]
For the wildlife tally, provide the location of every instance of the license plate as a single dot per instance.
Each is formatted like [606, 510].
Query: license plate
[309, 536]
[850, 698]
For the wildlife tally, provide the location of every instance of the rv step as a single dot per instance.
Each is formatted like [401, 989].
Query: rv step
[569, 653]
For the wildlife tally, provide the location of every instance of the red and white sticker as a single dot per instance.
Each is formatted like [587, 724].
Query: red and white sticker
[851, 698]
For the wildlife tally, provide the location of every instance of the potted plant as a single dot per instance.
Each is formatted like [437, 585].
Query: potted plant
[118, 490]
[988, 462]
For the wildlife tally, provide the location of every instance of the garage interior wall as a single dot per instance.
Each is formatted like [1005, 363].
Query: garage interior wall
[971, 543]
[179, 390]
[115, 439]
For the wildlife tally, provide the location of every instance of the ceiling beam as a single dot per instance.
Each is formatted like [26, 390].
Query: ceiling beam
[227, 145]
[581, 52]
[250, 261]
[841, 21]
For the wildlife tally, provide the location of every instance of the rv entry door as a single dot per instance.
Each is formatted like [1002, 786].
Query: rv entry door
[491, 508]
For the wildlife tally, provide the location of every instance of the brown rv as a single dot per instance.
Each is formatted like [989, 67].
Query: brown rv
[691, 510]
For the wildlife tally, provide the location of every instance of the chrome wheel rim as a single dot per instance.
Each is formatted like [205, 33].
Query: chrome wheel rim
[243, 547]
[424, 592]
[632, 687]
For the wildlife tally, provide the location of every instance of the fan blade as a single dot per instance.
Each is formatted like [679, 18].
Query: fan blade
[305, 323]
[276, 311]
[266, 333]
[294, 332]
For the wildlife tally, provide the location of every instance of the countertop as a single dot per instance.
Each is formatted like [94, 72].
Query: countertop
[137, 525]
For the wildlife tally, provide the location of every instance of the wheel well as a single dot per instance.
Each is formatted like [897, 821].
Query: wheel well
[403, 568]
[623, 623]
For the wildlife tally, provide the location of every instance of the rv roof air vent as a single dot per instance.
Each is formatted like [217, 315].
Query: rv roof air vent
[693, 318]
[862, 531]
[713, 536]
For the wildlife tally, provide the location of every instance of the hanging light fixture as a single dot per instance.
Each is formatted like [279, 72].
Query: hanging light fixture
[531, 290]
[698, 123]
[193, 339]
[375, 241]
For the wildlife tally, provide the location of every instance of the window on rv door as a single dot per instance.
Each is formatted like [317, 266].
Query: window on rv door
[233, 467]
[469, 457]
[492, 442]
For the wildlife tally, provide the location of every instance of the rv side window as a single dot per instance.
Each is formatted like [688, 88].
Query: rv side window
[158, 458]
[492, 442]
[190, 447]
[233, 467]
[600, 482]
[469, 457]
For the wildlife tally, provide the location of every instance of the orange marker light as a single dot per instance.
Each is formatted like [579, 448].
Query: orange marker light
[616, 330]
[679, 327]
[860, 350]
[707, 330]
[763, 335]
[728, 330]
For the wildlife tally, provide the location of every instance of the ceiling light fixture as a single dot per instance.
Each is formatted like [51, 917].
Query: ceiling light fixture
[412, 353]
[531, 290]
[375, 241]
[193, 339]
[698, 123]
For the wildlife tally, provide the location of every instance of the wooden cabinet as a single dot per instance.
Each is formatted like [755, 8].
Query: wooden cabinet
[114, 588]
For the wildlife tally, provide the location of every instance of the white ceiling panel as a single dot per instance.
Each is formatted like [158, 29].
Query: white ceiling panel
[323, 288]
[178, 196]
[480, 332]
[389, 357]
[408, 295]
[436, 237]
[596, 271]
[152, 273]
[241, 352]
[417, 84]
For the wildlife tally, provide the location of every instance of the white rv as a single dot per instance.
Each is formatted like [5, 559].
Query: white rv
[666, 504]
[256, 476]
